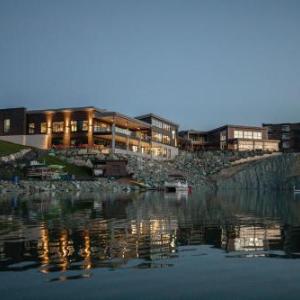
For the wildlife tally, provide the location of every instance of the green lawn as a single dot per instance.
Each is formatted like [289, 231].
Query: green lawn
[7, 148]
[80, 172]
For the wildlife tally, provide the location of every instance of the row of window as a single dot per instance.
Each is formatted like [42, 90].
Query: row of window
[161, 138]
[240, 134]
[161, 124]
[58, 127]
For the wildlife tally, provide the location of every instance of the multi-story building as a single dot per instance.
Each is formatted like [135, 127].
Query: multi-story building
[163, 134]
[287, 133]
[229, 137]
[110, 132]
[192, 140]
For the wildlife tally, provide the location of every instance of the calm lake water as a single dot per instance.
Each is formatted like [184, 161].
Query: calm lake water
[235, 245]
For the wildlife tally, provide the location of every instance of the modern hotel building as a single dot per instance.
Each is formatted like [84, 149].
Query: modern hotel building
[110, 132]
[229, 137]
[287, 133]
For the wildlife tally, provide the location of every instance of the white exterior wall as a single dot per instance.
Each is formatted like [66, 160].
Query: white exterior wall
[36, 140]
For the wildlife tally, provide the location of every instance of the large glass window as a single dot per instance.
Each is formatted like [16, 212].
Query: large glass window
[157, 123]
[166, 127]
[43, 127]
[238, 134]
[245, 145]
[166, 139]
[73, 126]
[31, 127]
[6, 126]
[248, 134]
[101, 127]
[84, 125]
[58, 127]
[157, 137]
[223, 135]
[173, 134]
[257, 135]
[161, 125]
[122, 131]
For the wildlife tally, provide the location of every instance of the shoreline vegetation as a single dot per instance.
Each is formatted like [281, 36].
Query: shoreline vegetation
[209, 170]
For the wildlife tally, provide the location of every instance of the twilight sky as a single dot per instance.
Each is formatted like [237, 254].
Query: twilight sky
[200, 63]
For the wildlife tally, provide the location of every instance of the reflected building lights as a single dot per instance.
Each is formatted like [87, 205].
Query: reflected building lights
[88, 237]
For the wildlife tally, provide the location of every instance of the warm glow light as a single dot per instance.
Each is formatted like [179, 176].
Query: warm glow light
[44, 246]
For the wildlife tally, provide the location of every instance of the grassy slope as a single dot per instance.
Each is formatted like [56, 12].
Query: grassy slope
[71, 169]
[7, 148]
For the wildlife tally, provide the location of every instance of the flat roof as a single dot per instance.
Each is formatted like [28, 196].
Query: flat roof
[157, 117]
[193, 131]
[10, 108]
[133, 122]
[65, 109]
[236, 126]
[221, 128]
[279, 124]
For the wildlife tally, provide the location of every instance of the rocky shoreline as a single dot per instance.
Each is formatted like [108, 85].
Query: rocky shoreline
[38, 186]
[208, 170]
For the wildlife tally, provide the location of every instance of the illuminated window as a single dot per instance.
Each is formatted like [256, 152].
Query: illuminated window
[58, 127]
[122, 131]
[31, 127]
[73, 126]
[85, 126]
[166, 127]
[248, 135]
[157, 137]
[257, 135]
[43, 127]
[166, 139]
[223, 135]
[245, 145]
[6, 125]
[101, 127]
[173, 134]
[238, 134]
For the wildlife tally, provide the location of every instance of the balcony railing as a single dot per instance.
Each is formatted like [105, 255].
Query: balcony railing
[102, 129]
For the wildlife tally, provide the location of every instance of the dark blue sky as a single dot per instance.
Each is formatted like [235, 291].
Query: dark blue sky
[199, 63]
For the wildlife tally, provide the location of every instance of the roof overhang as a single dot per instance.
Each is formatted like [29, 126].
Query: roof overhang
[123, 120]
[151, 115]
[65, 109]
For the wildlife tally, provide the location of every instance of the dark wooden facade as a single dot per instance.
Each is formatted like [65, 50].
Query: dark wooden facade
[287, 133]
[17, 120]
[228, 137]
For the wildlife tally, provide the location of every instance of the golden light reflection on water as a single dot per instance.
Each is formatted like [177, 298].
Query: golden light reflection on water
[83, 236]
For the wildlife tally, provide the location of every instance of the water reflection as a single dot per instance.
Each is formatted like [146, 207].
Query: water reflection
[54, 232]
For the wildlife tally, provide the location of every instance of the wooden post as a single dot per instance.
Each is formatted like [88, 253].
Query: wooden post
[127, 139]
[113, 132]
[90, 129]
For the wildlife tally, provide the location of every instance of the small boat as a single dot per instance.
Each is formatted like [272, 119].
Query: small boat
[296, 191]
[176, 183]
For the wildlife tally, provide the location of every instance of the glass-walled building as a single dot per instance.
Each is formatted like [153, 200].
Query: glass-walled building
[164, 134]
[109, 132]
[229, 137]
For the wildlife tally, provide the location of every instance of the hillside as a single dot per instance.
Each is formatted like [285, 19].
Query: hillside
[7, 148]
